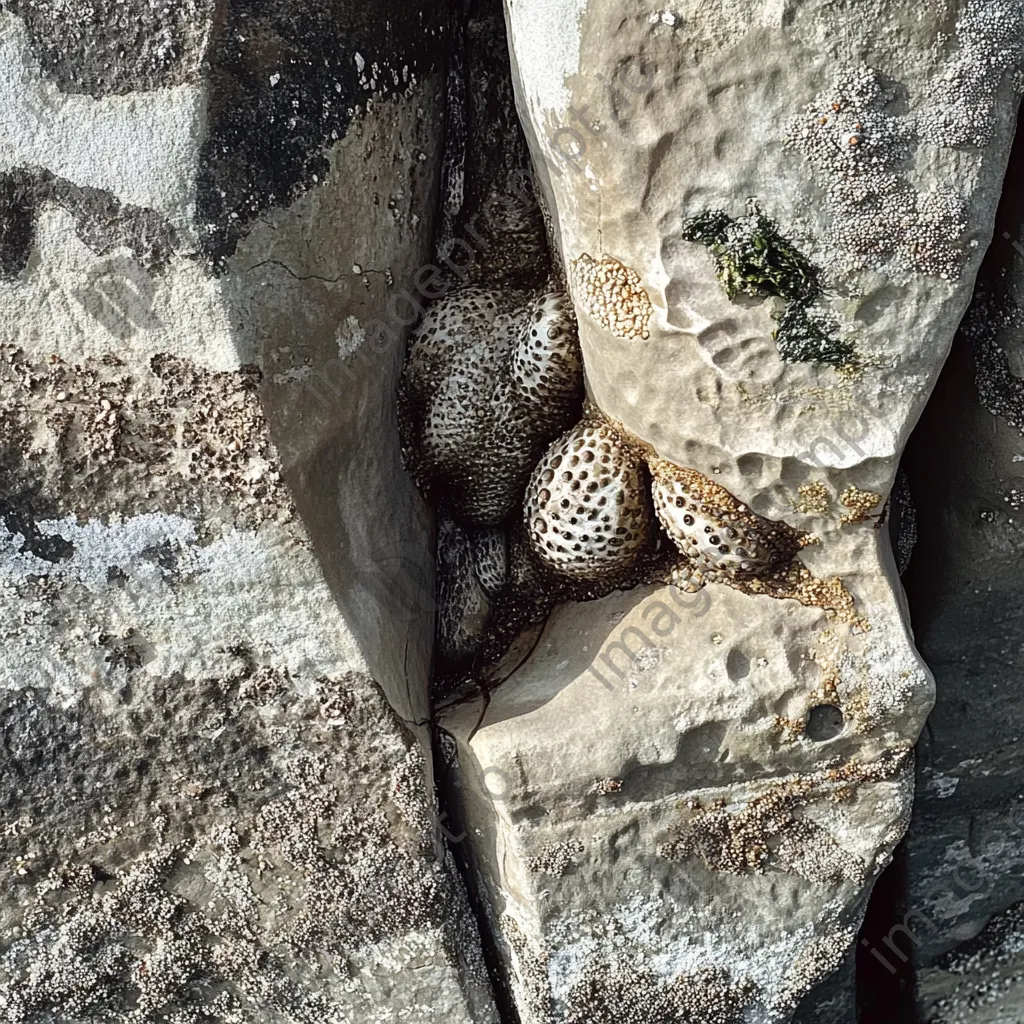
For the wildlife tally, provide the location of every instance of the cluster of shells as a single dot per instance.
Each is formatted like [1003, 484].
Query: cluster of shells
[595, 500]
[540, 499]
[612, 294]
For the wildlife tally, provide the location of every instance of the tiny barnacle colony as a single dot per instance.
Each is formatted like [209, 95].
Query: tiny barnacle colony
[611, 293]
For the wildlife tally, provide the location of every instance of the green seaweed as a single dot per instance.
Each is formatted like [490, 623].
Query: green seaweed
[806, 334]
[753, 258]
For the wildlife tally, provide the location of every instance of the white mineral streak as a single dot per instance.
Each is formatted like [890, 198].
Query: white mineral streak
[222, 576]
[92, 304]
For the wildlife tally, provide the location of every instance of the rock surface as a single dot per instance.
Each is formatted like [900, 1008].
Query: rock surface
[965, 849]
[671, 798]
[770, 220]
[215, 573]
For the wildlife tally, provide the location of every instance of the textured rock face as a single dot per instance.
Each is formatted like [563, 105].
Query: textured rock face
[965, 849]
[770, 216]
[659, 416]
[214, 569]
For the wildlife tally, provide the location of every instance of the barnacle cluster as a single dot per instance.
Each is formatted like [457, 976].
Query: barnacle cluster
[202, 433]
[717, 533]
[611, 293]
[534, 510]
[490, 379]
[463, 602]
[699, 532]
[602, 511]
[813, 499]
[860, 504]
[530, 971]
[628, 996]
[985, 969]
[856, 147]
[744, 840]
[753, 258]
[772, 829]
[819, 959]
[795, 581]
[901, 518]
[990, 46]
[991, 325]
[556, 858]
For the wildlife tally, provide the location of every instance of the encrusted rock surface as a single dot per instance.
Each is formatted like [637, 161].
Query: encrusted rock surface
[215, 579]
[965, 850]
[770, 217]
[659, 416]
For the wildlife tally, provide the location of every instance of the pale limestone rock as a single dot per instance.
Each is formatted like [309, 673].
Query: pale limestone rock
[213, 569]
[659, 807]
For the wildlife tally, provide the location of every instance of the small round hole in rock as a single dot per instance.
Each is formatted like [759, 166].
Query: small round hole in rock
[824, 722]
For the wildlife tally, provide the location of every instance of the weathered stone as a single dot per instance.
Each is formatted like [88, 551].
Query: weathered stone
[673, 795]
[979, 982]
[834, 1001]
[215, 575]
[682, 800]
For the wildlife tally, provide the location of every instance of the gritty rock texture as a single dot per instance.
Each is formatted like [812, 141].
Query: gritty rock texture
[109, 47]
[965, 850]
[980, 980]
[769, 243]
[215, 579]
[834, 1001]
[242, 846]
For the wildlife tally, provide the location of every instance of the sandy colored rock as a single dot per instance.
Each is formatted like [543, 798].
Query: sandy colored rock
[773, 182]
